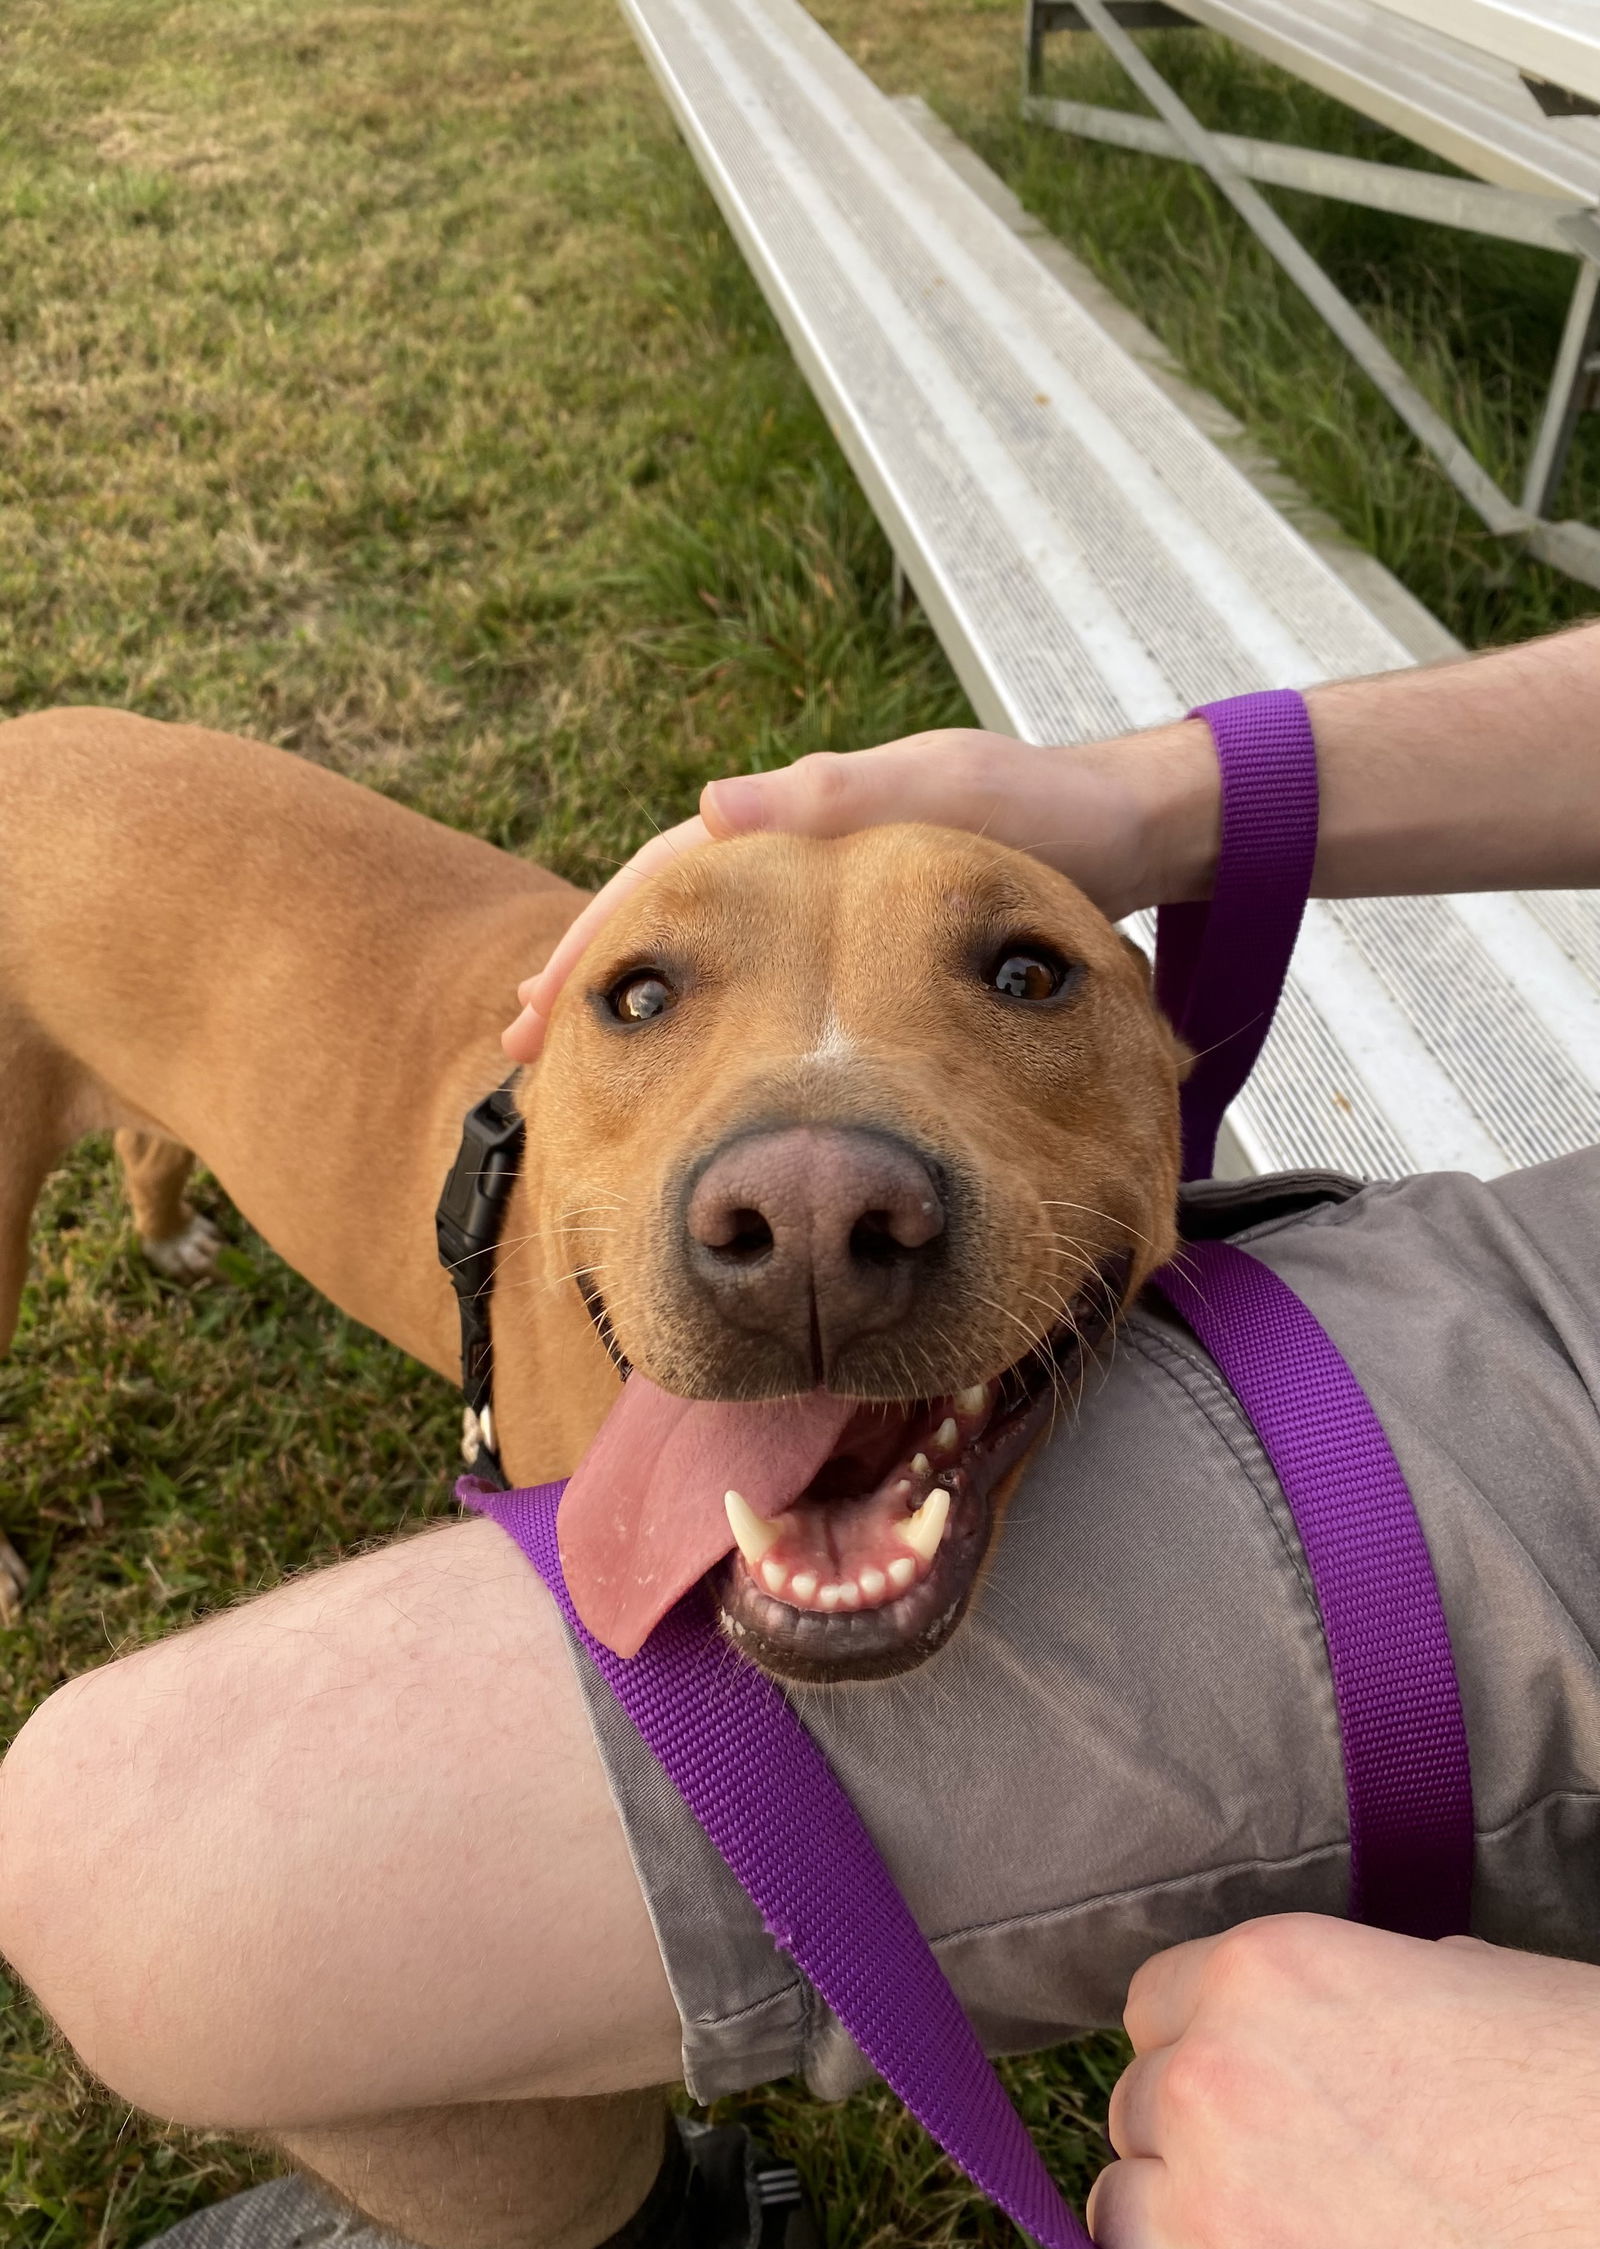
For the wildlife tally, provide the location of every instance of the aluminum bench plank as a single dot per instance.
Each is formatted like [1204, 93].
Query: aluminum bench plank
[1093, 562]
[1464, 105]
[1558, 40]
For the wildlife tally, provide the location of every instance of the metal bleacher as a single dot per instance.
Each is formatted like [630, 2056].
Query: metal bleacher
[1536, 180]
[1093, 561]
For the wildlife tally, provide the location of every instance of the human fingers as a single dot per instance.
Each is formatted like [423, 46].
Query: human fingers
[523, 1038]
[1131, 821]
[952, 777]
[1165, 1992]
[1122, 2211]
[1135, 2120]
[1252, 1972]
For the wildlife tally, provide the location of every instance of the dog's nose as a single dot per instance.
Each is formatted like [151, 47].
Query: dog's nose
[815, 1235]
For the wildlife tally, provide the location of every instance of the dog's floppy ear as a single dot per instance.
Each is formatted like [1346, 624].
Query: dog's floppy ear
[1182, 1056]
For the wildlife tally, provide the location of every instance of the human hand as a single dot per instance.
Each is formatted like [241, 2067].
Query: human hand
[1311, 2084]
[1132, 821]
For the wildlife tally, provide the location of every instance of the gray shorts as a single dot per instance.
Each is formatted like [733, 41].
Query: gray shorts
[1132, 1738]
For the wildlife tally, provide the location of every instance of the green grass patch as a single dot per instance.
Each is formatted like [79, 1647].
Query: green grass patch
[380, 381]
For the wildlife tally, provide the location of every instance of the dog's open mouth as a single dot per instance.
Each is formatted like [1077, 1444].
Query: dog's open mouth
[869, 1570]
[842, 1538]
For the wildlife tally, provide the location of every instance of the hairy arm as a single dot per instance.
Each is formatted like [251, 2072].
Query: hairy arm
[1478, 775]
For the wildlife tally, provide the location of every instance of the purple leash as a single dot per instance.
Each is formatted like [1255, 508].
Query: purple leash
[1219, 970]
[1220, 965]
[764, 1793]
[762, 1790]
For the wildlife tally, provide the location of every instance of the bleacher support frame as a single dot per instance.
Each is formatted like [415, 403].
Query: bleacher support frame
[1233, 163]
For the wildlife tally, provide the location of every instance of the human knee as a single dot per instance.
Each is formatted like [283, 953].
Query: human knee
[46, 1821]
[89, 1917]
[46, 1824]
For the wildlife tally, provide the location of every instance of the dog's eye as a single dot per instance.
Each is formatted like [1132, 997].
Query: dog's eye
[636, 998]
[1032, 975]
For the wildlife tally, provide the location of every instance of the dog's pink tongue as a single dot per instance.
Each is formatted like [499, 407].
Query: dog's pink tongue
[644, 1517]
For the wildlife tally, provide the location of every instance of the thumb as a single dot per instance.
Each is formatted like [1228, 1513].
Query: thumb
[823, 794]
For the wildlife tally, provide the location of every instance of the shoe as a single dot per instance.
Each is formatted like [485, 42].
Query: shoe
[283, 2214]
[742, 2197]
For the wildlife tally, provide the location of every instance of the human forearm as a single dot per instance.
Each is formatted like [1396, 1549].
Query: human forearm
[1477, 775]
[1480, 775]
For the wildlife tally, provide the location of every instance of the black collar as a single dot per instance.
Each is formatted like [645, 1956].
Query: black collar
[468, 1220]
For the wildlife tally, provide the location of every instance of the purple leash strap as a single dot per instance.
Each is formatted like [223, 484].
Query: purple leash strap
[1219, 969]
[1407, 1780]
[764, 1793]
[1220, 965]
[758, 1784]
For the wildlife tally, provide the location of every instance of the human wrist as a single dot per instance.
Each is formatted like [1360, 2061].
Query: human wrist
[1175, 820]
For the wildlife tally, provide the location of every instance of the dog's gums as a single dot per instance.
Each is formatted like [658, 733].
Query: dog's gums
[863, 1532]
[872, 1567]
[871, 1519]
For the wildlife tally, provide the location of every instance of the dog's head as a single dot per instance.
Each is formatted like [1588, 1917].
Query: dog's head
[853, 1149]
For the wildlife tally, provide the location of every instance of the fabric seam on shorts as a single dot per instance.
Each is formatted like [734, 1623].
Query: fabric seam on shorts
[796, 1984]
[1538, 1804]
[1203, 1385]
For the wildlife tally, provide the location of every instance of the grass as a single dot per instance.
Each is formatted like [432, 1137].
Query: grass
[380, 381]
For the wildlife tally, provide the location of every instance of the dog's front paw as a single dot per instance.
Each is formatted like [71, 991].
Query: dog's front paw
[190, 1256]
[13, 1582]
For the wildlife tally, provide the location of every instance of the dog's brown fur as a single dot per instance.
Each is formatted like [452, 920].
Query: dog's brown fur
[217, 949]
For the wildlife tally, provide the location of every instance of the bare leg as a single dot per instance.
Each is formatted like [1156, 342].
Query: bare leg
[176, 1239]
[500, 2175]
[344, 1854]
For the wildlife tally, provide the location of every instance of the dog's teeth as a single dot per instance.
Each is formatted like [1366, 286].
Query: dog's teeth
[872, 1583]
[923, 1530]
[829, 1596]
[754, 1538]
[802, 1585]
[947, 1436]
[973, 1401]
[901, 1571]
[849, 1594]
[773, 1576]
[921, 1465]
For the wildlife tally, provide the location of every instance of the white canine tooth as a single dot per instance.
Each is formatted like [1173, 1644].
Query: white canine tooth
[947, 1436]
[773, 1576]
[921, 1465]
[901, 1571]
[829, 1596]
[802, 1585]
[872, 1583]
[849, 1595]
[923, 1530]
[973, 1401]
[754, 1538]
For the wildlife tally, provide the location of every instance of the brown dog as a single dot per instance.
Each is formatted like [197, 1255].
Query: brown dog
[839, 1146]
